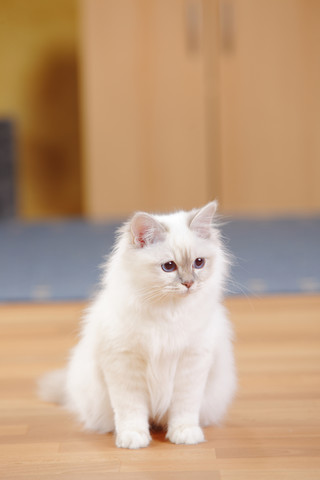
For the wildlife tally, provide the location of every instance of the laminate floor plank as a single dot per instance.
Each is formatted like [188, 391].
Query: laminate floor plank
[272, 430]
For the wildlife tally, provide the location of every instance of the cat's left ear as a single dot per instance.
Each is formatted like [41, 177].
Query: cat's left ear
[146, 229]
[202, 221]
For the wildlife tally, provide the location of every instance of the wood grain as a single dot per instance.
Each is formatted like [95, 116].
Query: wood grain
[270, 107]
[144, 106]
[271, 432]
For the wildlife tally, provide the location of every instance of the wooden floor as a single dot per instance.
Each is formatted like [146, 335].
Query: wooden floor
[272, 430]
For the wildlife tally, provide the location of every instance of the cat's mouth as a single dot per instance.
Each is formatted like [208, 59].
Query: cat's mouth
[186, 290]
[175, 291]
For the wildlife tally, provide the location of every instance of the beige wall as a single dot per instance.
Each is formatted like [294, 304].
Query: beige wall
[39, 91]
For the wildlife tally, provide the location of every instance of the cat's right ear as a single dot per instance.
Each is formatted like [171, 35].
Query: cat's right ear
[145, 229]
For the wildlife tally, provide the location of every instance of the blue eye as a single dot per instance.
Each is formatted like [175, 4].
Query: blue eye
[169, 267]
[199, 263]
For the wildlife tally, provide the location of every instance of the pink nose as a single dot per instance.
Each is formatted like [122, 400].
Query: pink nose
[188, 284]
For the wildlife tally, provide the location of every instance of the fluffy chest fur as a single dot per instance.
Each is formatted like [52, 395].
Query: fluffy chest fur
[160, 376]
[159, 342]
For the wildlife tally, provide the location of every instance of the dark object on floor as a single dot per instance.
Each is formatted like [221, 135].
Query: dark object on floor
[7, 170]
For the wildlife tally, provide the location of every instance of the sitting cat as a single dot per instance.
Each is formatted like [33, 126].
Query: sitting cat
[156, 344]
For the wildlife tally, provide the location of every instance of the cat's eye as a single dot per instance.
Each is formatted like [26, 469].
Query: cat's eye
[199, 263]
[169, 267]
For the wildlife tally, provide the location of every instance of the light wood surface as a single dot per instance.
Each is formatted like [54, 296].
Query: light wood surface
[271, 432]
[187, 100]
[144, 105]
[270, 106]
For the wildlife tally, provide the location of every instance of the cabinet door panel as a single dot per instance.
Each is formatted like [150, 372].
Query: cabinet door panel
[270, 107]
[144, 105]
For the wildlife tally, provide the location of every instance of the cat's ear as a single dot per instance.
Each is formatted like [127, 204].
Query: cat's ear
[146, 229]
[202, 220]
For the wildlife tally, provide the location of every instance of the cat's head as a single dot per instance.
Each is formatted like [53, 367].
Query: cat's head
[175, 255]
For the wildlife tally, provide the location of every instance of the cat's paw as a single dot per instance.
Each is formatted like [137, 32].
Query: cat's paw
[188, 435]
[133, 439]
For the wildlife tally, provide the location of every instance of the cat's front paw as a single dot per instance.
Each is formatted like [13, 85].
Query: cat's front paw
[133, 439]
[188, 435]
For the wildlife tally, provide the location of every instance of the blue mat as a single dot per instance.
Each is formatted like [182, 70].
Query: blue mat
[60, 260]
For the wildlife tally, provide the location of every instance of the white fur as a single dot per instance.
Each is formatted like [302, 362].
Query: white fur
[151, 349]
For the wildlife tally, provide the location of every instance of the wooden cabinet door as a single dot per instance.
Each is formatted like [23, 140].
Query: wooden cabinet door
[270, 105]
[146, 99]
[186, 100]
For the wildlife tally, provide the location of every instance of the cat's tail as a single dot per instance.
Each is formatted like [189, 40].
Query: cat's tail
[52, 386]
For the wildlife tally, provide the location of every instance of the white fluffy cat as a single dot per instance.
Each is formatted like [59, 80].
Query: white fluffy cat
[156, 344]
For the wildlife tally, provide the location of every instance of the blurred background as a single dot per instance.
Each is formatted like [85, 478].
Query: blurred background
[111, 106]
